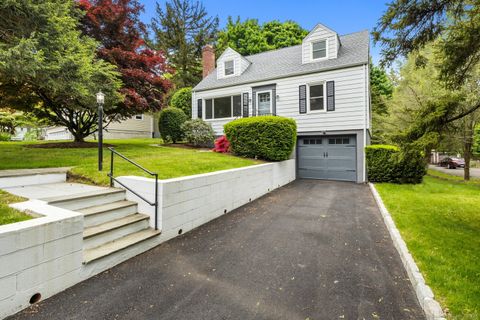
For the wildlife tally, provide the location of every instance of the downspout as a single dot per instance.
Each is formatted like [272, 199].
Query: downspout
[365, 84]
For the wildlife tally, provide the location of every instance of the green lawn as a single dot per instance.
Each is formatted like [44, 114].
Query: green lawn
[7, 214]
[168, 162]
[443, 175]
[440, 222]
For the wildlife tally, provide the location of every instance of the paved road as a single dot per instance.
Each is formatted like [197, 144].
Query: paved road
[309, 250]
[474, 172]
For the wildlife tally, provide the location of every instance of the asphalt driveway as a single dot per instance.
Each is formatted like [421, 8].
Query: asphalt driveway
[309, 250]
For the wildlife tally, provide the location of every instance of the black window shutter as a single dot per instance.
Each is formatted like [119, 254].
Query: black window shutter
[302, 98]
[330, 95]
[245, 104]
[199, 106]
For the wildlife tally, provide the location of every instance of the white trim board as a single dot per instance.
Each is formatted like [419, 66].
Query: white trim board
[432, 309]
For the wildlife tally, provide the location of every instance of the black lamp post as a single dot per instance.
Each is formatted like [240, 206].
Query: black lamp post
[100, 101]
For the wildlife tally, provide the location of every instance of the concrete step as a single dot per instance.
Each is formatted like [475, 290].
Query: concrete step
[107, 212]
[87, 199]
[27, 177]
[112, 247]
[114, 230]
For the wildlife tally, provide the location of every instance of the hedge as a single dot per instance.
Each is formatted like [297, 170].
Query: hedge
[265, 137]
[170, 124]
[387, 163]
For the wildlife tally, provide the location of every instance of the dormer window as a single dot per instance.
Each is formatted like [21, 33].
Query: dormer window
[229, 68]
[319, 49]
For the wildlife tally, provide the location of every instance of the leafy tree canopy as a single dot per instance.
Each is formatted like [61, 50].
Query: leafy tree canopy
[181, 30]
[116, 25]
[409, 25]
[249, 37]
[48, 68]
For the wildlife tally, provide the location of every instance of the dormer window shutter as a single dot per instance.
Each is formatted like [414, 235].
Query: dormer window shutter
[302, 99]
[245, 105]
[330, 95]
[199, 106]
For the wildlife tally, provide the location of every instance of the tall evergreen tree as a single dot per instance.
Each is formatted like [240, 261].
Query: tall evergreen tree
[381, 89]
[181, 29]
[409, 25]
[116, 25]
[48, 68]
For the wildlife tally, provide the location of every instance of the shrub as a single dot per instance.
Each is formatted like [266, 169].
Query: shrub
[381, 166]
[4, 136]
[198, 133]
[170, 124]
[266, 137]
[222, 145]
[390, 164]
[182, 99]
[411, 166]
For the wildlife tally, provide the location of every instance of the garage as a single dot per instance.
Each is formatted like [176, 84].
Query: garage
[327, 157]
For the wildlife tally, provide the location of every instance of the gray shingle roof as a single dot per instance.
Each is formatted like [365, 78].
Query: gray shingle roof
[288, 62]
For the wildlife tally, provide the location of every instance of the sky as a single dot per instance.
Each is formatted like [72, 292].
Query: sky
[345, 16]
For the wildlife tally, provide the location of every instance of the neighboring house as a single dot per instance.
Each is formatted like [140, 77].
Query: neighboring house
[323, 84]
[20, 133]
[138, 126]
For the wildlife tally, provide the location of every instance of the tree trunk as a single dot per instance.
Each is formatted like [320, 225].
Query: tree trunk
[78, 138]
[81, 125]
[467, 155]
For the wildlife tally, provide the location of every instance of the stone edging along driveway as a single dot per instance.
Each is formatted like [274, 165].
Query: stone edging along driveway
[430, 306]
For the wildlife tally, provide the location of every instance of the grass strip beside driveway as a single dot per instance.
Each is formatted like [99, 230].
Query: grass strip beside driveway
[440, 222]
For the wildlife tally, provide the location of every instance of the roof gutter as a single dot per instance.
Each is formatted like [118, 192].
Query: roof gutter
[283, 77]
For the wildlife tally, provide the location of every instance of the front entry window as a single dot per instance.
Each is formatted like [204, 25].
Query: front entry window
[264, 103]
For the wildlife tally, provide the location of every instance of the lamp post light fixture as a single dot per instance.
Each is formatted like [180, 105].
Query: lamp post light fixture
[100, 101]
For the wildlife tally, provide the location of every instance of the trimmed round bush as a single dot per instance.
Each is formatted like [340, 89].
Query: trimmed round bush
[182, 99]
[387, 163]
[266, 137]
[198, 132]
[170, 124]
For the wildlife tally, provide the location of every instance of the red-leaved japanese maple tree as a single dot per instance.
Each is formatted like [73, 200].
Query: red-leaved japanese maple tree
[117, 26]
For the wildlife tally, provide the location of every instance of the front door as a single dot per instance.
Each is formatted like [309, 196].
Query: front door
[264, 99]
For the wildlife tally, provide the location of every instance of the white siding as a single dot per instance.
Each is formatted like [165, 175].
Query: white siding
[240, 63]
[133, 126]
[125, 129]
[319, 33]
[350, 100]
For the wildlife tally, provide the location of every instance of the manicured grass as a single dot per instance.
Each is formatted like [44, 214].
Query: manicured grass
[440, 221]
[168, 162]
[443, 175]
[7, 214]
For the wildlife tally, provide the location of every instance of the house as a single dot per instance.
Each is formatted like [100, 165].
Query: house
[138, 126]
[323, 84]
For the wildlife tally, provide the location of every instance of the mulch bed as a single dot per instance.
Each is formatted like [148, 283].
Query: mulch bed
[183, 146]
[67, 145]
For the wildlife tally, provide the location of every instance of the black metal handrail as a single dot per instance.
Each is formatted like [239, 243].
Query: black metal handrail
[112, 179]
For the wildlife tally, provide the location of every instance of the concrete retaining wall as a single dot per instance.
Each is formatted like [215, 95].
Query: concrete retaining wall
[42, 255]
[188, 202]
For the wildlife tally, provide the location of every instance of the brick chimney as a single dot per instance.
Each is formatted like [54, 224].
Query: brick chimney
[208, 59]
